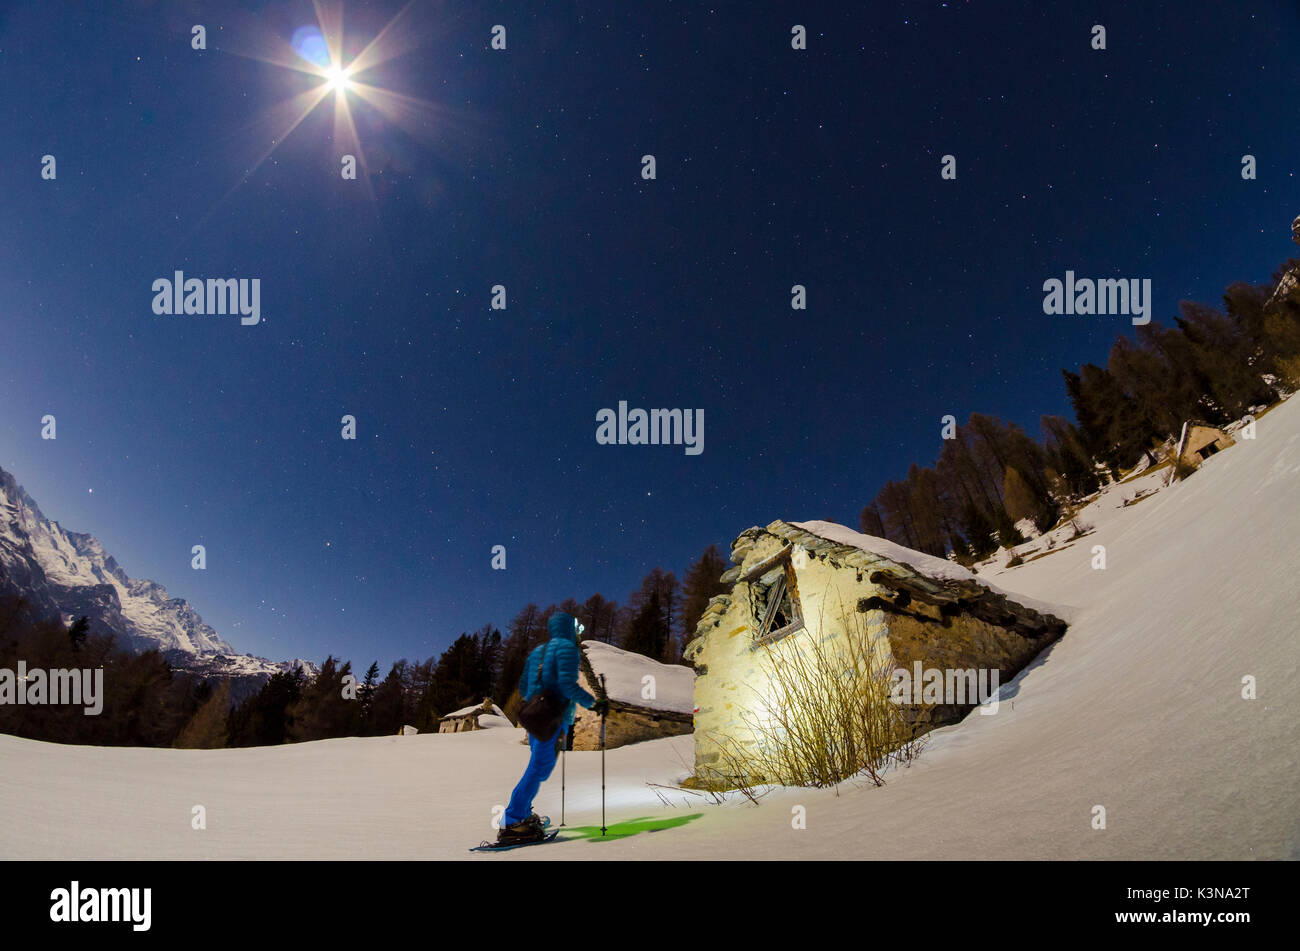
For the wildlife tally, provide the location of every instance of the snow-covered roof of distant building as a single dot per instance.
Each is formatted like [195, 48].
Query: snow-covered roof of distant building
[477, 708]
[674, 684]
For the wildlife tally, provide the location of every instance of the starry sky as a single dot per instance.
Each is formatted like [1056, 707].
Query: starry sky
[522, 167]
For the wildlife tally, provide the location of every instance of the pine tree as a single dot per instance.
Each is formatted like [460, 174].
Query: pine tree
[960, 549]
[1282, 330]
[366, 695]
[664, 587]
[388, 708]
[979, 531]
[1068, 457]
[600, 616]
[321, 711]
[1225, 359]
[1008, 535]
[647, 634]
[702, 584]
[870, 521]
[526, 631]
[207, 729]
[1244, 304]
[1020, 502]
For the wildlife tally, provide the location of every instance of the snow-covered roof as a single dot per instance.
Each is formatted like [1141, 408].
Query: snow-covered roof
[674, 685]
[868, 552]
[477, 708]
[928, 565]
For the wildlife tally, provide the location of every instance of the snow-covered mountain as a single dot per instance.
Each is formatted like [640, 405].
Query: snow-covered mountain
[70, 574]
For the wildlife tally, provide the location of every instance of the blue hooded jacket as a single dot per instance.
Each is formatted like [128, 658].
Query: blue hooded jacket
[558, 659]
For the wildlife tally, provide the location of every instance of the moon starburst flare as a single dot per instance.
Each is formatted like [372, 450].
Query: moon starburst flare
[338, 79]
[318, 50]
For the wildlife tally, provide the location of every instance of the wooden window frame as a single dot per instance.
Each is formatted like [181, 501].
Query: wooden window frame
[788, 587]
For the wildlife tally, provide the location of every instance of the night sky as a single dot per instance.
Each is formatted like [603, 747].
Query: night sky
[522, 167]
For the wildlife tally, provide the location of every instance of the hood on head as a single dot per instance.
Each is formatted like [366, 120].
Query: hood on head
[563, 625]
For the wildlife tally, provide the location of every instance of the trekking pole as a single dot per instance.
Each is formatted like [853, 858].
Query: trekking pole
[564, 745]
[602, 757]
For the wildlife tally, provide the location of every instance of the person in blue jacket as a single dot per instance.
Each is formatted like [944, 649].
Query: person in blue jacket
[557, 662]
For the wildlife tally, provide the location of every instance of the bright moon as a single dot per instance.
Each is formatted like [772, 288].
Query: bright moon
[336, 78]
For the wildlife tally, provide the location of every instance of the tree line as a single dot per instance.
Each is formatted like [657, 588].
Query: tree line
[145, 702]
[656, 621]
[1213, 364]
[149, 703]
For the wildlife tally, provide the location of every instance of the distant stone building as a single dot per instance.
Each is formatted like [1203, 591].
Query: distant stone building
[647, 700]
[1196, 443]
[793, 582]
[469, 718]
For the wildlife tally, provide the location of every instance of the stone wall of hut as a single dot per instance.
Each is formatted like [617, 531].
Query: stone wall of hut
[843, 595]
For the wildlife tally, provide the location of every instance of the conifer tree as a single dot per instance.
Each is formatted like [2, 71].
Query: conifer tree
[366, 694]
[648, 632]
[979, 531]
[207, 729]
[1020, 502]
[702, 583]
[1008, 535]
[870, 521]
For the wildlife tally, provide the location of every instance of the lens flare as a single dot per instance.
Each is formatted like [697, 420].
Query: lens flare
[317, 50]
[336, 77]
[310, 45]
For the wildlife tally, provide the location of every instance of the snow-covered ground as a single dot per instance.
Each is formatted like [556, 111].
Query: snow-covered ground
[1138, 709]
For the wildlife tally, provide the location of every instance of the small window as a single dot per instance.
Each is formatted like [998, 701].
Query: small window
[1208, 450]
[775, 603]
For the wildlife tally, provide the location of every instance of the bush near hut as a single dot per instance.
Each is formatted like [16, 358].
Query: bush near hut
[825, 715]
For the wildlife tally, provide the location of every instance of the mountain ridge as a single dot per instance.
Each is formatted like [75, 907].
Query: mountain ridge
[70, 574]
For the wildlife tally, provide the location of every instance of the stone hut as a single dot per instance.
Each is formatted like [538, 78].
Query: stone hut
[1198, 441]
[794, 581]
[471, 718]
[647, 700]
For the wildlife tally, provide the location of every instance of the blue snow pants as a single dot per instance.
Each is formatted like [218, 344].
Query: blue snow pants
[541, 762]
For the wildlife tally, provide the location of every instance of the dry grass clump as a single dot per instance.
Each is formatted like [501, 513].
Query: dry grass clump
[823, 714]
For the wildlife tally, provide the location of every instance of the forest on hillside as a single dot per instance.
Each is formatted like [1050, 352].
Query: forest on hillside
[1214, 364]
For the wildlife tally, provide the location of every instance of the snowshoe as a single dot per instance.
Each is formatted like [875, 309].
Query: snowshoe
[507, 846]
[522, 833]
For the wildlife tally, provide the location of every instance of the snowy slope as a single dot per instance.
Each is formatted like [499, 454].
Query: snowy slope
[1137, 709]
